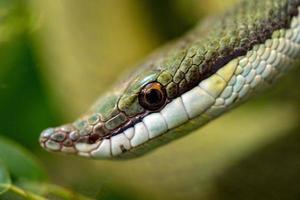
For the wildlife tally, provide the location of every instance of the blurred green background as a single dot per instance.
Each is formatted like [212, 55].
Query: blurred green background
[58, 56]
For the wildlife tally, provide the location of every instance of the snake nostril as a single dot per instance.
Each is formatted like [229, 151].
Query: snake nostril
[74, 135]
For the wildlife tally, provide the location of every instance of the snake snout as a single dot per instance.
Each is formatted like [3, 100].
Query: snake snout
[60, 139]
[68, 139]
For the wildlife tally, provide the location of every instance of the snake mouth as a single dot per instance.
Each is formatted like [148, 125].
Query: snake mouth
[67, 139]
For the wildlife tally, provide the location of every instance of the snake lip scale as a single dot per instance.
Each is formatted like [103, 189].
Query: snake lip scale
[187, 83]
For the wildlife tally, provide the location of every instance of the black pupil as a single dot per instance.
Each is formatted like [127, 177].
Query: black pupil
[154, 97]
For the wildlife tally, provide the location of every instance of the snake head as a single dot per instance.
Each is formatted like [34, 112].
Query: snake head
[187, 84]
[106, 129]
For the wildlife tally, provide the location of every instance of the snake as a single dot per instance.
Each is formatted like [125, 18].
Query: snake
[219, 64]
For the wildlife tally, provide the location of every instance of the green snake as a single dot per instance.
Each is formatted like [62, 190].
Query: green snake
[187, 83]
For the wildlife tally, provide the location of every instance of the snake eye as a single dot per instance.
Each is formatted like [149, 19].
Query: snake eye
[153, 96]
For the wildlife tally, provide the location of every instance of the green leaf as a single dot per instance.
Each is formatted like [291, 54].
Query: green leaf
[15, 192]
[51, 190]
[21, 164]
[5, 181]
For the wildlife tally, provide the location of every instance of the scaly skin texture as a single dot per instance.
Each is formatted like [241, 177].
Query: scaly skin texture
[178, 67]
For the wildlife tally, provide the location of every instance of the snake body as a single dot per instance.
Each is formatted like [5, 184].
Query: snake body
[187, 83]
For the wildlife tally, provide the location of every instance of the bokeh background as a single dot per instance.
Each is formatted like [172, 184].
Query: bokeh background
[58, 56]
